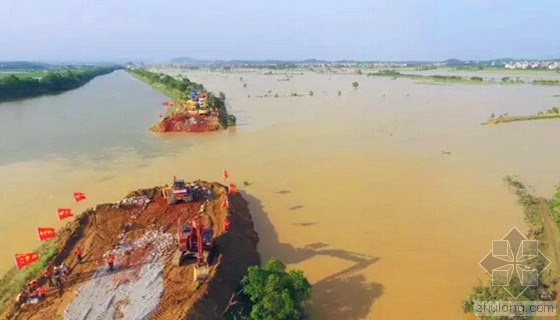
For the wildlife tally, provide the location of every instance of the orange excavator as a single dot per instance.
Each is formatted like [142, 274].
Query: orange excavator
[195, 241]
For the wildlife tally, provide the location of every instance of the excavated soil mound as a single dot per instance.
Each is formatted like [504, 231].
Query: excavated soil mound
[184, 122]
[141, 232]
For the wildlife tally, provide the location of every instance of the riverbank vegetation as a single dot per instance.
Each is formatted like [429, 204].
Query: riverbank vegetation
[551, 113]
[270, 292]
[547, 82]
[554, 205]
[14, 86]
[392, 73]
[539, 214]
[180, 89]
[439, 78]
[23, 74]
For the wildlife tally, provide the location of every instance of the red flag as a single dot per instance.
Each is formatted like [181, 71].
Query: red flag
[226, 174]
[225, 203]
[23, 259]
[232, 188]
[46, 233]
[64, 213]
[79, 196]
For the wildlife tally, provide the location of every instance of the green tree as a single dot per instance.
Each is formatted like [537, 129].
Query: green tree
[355, 84]
[274, 293]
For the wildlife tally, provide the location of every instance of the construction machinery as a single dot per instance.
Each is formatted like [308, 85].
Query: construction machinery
[195, 241]
[178, 191]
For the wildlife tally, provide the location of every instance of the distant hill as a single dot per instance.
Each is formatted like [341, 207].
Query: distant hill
[194, 62]
[190, 61]
[454, 62]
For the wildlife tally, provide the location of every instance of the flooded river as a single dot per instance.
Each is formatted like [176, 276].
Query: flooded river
[386, 196]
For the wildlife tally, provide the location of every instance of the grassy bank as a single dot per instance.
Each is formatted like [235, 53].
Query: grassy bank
[551, 113]
[434, 78]
[538, 216]
[179, 90]
[15, 86]
[51, 252]
[16, 279]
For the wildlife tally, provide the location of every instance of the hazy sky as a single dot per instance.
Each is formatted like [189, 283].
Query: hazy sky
[62, 30]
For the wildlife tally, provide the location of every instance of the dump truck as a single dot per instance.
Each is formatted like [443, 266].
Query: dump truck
[178, 191]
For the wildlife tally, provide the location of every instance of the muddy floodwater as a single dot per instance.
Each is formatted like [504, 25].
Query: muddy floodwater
[386, 196]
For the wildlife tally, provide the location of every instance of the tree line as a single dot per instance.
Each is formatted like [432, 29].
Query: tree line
[183, 85]
[13, 87]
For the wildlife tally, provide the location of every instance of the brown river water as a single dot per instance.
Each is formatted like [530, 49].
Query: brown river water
[355, 190]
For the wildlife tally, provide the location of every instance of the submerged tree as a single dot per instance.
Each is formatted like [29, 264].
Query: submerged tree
[355, 84]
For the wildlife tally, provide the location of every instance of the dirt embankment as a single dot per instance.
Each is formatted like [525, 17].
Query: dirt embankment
[185, 122]
[139, 228]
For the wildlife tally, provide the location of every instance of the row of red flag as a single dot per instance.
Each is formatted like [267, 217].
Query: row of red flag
[232, 186]
[46, 233]
[231, 190]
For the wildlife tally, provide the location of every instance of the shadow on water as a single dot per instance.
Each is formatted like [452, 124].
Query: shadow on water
[305, 224]
[345, 294]
[296, 207]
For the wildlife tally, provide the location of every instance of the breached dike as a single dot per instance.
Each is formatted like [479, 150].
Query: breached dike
[194, 109]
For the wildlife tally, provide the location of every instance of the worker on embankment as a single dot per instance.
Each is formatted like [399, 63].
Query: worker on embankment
[32, 285]
[64, 269]
[78, 254]
[57, 275]
[21, 299]
[110, 261]
[47, 275]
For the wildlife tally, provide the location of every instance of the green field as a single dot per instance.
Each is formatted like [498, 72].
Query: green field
[23, 74]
